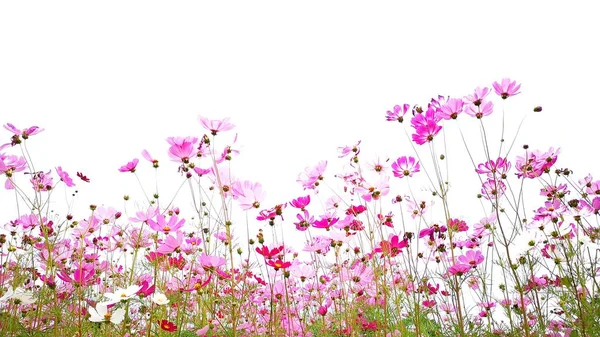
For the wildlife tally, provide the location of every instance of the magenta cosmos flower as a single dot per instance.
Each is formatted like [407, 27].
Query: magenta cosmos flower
[216, 125]
[405, 167]
[506, 88]
[426, 129]
[398, 113]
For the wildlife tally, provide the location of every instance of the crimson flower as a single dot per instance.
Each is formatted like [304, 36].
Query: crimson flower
[269, 254]
[167, 326]
[216, 125]
[130, 166]
[278, 264]
[506, 88]
[82, 177]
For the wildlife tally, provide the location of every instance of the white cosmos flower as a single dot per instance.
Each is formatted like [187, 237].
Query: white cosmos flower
[20, 295]
[101, 314]
[159, 299]
[122, 294]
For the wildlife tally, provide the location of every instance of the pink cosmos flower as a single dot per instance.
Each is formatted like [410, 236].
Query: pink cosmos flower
[494, 169]
[248, 194]
[64, 176]
[377, 190]
[211, 262]
[171, 244]
[25, 133]
[305, 220]
[451, 109]
[130, 166]
[391, 248]
[41, 182]
[141, 216]
[312, 175]
[472, 258]
[478, 111]
[301, 202]
[9, 165]
[161, 225]
[82, 276]
[326, 221]
[398, 113]
[506, 88]
[149, 158]
[477, 98]
[425, 132]
[182, 148]
[217, 125]
[493, 189]
[459, 269]
[405, 167]
[346, 150]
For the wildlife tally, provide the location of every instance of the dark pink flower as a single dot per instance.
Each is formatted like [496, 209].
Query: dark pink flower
[506, 88]
[130, 166]
[82, 177]
[216, 125]
[459, 269]
[425, 132]
[301, 202]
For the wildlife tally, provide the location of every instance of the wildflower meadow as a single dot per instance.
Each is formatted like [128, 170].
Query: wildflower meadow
[375, 249]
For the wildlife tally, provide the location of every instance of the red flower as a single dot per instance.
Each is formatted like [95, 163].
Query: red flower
[82, 177]
[278, 264]
[167, 326]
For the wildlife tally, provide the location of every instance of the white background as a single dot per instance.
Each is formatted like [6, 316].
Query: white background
[298, 79]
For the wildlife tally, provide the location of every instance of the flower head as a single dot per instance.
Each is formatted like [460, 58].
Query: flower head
[405, 167]
[101, 314]
[130, 166]
[506, 88]
[216, 125]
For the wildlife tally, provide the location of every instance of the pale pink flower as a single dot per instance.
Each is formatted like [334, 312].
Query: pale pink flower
[216, 125]
[64, 177]
[248, 194]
